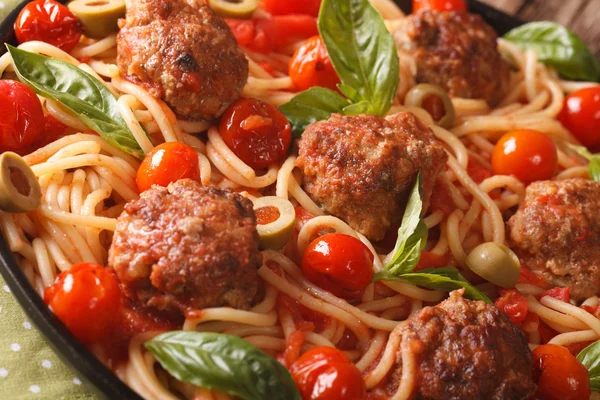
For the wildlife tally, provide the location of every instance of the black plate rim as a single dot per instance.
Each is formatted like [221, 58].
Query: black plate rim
[99, 379]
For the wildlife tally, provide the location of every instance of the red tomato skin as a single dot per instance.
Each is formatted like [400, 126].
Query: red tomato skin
[48, 21]
[514, 305]
[285, 7]
[562, 294]
[87, 292]
[340, 264]
[242, 29]
[256, 132]
[525, 154]
[439, 5]
[581, 116]
[310, 66]
[167, 163]
[22, 116]
[325, 373]
[559, 375]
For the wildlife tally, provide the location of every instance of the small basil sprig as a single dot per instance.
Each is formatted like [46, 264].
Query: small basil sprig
[590, 358]
[79, 92]
[222, 362]
[594, 159]
[412, 237]
[364, 56]
[558, 47]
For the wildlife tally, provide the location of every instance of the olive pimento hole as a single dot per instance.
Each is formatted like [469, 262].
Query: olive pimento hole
[19, 181]
[434, 106]
[266, 215]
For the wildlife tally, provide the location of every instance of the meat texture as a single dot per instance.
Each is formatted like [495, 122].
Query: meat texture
[456, 51]
[556, 234]
[361, 168]
[186, 246]
[465, 350]
[182, 53]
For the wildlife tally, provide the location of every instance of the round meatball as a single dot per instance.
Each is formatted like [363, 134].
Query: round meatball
[456, 51]
[186, 246]
[361, 168]
[467, 350]
[556, 234]
[184, 54]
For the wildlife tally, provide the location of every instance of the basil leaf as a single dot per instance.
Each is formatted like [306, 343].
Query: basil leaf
[312, 105]
[223, 362]
[594, 159]
[590, 358]
[77, 91]
[362, 52]
[447, 278]
[558, 47]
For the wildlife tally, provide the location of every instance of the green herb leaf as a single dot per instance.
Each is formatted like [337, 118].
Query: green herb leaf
[223, 362]
[590, 358]
[312, 105]
[558, 47]
[362, 52]
[594, 159]
[77, 91]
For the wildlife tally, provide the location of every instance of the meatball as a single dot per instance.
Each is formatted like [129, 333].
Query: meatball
[456, 51]
[556, 234]
[361, 168]
[465, 349]
[186, 246]
[184, 54]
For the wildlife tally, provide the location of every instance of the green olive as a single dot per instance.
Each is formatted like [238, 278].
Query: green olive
[19, 188]
[99, 17]
[417, 95]
[495, 263]
[233, 8]
[275, 234]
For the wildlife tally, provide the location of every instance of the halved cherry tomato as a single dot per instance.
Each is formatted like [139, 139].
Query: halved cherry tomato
[325, 373]
[284, 7]
[439, 5]
[256, 132]
[242, 29]
[526, 154]
[167, 163]
[514, 305]
[310, 66]
[340, 264]
[562, 294]
[85, 299]
[21, 118]
[50, 22]
[581, 116]
[559, 375]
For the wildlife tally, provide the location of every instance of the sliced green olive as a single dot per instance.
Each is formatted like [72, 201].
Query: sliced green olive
[234, 8]
[419, 93]
[19, 188]
[280, 217]
[495, 263]
[99, 17]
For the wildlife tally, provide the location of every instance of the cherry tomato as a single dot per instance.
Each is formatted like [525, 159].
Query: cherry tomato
[562, 294]
[559, 375]
[167, 163]
[340, 264]
[310, 66]
[85, 299]
[242, 29]
[256, 132]
[525, 154]
[50, 22]
[439, 5]
[325, 373]
[514, 305]
[284, 7]
[581, 116]
[22, 117]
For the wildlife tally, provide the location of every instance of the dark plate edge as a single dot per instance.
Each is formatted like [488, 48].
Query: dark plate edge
[99, 379]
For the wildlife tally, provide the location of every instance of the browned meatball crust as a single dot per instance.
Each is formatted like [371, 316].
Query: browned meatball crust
[187, 246]
[184, 54]
[556, 234]
[456, 51]
[361, 168]
[465, 350]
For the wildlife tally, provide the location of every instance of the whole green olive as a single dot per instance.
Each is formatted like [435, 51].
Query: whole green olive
[417, 95]
[98, 17]
[19, 188]
[495, 263]
[233, 8]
